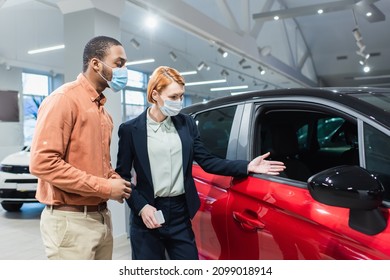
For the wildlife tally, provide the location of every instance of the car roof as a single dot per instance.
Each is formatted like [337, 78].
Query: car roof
[349, 97]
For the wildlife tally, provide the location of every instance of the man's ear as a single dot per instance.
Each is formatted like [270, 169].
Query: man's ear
[94, 63]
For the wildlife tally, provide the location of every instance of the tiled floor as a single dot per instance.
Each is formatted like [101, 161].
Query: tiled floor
[20, 236]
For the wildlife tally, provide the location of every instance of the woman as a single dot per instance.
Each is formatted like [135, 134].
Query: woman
[161, 145]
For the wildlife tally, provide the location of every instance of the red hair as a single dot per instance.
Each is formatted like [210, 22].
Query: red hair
[162, 77]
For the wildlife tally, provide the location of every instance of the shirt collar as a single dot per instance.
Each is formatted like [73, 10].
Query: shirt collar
[93, 94]
[167, 123]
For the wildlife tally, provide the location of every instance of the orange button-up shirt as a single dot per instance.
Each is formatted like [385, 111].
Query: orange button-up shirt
[70, 151]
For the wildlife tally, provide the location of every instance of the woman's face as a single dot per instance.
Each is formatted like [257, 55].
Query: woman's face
[173, 92]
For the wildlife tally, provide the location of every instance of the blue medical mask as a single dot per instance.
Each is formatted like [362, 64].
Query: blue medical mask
[171, 108]
[119, 78]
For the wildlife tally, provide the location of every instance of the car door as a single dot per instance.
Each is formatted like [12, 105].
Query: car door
[209, 224]
[275, 217]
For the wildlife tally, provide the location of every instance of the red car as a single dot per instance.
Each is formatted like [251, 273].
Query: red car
[332, 201]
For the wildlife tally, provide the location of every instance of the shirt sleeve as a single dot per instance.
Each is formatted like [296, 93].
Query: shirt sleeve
[52, 136]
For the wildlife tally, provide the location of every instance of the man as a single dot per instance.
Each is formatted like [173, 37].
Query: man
[70, 155]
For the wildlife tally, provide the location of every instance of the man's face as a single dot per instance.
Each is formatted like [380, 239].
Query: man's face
[116, 57]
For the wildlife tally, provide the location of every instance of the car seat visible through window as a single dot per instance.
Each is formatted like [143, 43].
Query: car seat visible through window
[281, 140]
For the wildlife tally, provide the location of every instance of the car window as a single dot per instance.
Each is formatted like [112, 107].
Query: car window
[377, 153]
[214, 128]
[307, 141]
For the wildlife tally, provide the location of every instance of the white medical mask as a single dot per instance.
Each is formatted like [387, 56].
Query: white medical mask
[171, 108]
[119, 78]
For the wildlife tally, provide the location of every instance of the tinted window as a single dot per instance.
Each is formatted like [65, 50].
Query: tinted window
[307, 141]
[377, 149]
[214, 128]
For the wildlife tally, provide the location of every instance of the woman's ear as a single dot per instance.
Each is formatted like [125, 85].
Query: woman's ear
[155, 95]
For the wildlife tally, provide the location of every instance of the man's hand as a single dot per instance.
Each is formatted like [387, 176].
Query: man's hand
[120, 189]
[270, 167]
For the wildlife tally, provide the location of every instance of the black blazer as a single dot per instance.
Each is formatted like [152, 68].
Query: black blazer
[133, 152]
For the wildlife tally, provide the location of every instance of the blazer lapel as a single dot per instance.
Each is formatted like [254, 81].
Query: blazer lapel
[141, 145]
[185, 142]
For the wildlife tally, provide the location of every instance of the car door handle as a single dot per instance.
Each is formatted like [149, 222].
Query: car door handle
[248, 220]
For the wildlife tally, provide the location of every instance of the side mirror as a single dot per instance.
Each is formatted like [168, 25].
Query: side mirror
[355, 188]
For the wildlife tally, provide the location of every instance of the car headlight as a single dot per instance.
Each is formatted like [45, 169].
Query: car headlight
[5, 168]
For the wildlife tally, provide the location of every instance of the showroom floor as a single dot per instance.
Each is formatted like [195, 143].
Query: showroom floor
[20, 236]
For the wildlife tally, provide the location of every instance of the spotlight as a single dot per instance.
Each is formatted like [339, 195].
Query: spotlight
[359, 52]
[224, 73]
[366, 69]
[207, 67]
[357, 34]
[246, 67]
[135, 43]
[222, 52]
[242, 61]
[200, 66]
[172, 56]
[360, 45]
[262, 71]
[241, 78]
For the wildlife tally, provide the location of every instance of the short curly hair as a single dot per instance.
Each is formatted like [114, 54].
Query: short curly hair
[97, 47]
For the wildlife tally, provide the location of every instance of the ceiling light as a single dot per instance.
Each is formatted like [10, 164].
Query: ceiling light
[360, 53]
[143, 61]
[360, 45]
[48, 49]
[242, 61]
[207, 67]
[368, 14]
[206, 82]
[357, 34]
[224, 73]
[151, 22]
[361, 62]
[262, 71]
[366, 69]
[172, 55]
[188, 73]
[241, 78]
[372, 77]
[228, 88]
[276, 17]
[222, 52]
[200, 66]
[246, 67]
[320, 11]
[264, 51]
[135, 43]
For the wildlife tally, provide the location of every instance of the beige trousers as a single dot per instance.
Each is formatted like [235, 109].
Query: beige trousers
[76, 235]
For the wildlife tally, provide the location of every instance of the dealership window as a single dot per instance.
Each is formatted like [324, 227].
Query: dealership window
[134, 99]
[134, 96]
[35, 88]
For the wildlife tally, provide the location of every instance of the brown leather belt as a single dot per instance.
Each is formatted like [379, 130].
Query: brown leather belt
[79, 208]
